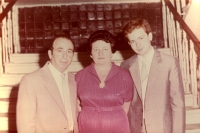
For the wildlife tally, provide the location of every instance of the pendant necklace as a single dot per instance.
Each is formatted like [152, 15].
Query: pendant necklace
[101, 85]
[102, 82]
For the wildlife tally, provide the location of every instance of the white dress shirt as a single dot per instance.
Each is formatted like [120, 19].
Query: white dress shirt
[147, 61]
[58, 78]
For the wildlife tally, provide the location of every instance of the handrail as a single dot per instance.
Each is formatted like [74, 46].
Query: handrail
[185, 27]
[6, 10]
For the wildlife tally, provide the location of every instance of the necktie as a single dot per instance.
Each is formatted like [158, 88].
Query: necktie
[66, 100]
[144, 76]
[144, 73]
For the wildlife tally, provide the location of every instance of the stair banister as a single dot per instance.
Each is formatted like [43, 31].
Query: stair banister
[184, 45]
[185, 27]
[7, 9]
[6, 38]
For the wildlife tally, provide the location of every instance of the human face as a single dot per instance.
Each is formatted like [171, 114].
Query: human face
[62, 54]
[101, 53]
[140, 41]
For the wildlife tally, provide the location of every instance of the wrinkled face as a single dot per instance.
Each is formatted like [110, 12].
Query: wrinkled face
[62, 54]
[101, 52]
[140, 41]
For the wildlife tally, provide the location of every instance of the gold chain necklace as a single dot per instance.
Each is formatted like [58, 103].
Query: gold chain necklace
[102, 82]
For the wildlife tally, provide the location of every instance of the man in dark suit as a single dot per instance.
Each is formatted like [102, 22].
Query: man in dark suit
[47, 100]
[158, 104]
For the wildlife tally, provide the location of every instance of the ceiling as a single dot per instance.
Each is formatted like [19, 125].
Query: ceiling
[38, 2]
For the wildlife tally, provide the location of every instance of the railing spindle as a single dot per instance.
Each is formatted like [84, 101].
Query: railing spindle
[9, 37]
[193, 68]
[186, 62]
[15, 30]
[164, 23]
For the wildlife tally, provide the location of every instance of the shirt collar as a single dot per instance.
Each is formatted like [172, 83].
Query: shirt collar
[55, 71]
[149, 56]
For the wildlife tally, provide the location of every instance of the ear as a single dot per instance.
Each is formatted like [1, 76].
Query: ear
[50, 54]
[150, 36]
[90, 56]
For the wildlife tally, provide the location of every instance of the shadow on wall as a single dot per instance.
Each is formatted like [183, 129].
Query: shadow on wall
[84, 59]
[12, 110]
[43, 58]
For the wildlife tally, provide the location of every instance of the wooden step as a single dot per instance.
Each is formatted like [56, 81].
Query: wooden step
[192, 115]
[8, 92]
[7, 124]
[10, 79]
[14, 68]
[8, 105]
[188, 100]
[193, 127]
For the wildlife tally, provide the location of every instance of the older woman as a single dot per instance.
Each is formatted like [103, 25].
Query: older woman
[104, 89]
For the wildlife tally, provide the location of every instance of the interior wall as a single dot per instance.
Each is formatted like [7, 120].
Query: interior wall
[38, 25]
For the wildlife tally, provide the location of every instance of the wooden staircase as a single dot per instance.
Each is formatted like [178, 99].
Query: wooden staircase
[22, 64]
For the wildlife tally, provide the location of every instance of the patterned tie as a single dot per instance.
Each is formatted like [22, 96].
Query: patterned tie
[66, 100]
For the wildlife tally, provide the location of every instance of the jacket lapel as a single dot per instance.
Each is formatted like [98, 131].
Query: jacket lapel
[134, 70]
[52, 87]
[154, 70]
[153, 73]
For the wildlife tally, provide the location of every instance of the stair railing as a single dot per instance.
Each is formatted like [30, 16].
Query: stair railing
[6, 39]
[183, 44]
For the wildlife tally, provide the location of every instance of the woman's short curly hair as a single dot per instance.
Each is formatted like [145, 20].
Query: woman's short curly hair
[103, 35]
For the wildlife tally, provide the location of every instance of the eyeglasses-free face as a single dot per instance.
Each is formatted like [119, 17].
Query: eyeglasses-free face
[140, 41]
[61, 54]
[101, 52]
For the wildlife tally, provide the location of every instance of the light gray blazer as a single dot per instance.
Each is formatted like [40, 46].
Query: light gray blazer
[164, 105]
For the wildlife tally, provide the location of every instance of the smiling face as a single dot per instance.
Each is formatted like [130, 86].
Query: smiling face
[101, 53]
[61, 54]
[140, 41]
